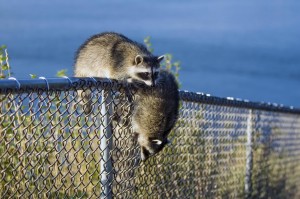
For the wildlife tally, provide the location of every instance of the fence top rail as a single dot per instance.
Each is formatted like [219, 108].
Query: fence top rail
[236, 102]
[14, 85]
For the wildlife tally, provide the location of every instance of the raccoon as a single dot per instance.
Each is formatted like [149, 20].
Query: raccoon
[155, 113]
[112, 55]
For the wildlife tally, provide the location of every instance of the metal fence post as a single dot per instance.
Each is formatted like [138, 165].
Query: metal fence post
[249, 156]
[106, 145]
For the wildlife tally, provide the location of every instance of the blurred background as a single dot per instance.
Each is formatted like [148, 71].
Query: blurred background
[244, 49]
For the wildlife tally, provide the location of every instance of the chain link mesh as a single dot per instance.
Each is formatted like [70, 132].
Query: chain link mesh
[49, 148]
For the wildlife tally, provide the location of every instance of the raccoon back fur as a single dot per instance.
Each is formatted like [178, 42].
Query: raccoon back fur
[112, 55]
[155, 114]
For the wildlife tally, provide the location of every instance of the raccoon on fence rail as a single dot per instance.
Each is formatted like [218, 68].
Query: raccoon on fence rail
[114, 56]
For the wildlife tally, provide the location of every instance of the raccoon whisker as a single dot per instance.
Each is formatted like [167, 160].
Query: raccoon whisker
[93, 79]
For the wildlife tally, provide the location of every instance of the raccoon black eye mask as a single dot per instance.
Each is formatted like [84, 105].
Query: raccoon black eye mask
[143, 73]
[147, 75]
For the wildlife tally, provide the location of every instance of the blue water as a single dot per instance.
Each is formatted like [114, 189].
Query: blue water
[245, 49]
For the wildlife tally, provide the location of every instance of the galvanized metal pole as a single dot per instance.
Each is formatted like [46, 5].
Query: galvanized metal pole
[249, 157]
[106, 145]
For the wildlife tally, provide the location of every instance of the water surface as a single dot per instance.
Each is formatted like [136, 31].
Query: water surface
[246, 49]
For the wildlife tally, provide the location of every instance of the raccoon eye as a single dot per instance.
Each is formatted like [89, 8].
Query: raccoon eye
[144, 76]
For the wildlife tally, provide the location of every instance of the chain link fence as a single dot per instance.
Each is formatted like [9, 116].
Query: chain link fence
[221, 148]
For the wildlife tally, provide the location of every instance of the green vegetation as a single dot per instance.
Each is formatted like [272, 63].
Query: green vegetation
[275, 164]
[5, 70]
[168, 63]
[44, 145]
[197, 163]
[50, 149]
[61, 73]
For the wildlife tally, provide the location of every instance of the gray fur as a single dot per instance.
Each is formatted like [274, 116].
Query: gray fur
[112, 55]
[155, 113]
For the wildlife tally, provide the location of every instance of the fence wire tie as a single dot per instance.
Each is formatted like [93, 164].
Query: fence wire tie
[109, 80]
[44, 78]
[94, 79]
[105, 78]
[13, 78]
[70, 81]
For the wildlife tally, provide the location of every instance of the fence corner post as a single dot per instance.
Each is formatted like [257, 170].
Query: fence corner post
[106, 143]
[249, 156]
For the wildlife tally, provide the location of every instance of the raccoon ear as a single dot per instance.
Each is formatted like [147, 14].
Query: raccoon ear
[158, 142]
[138, 59]
[160, 58]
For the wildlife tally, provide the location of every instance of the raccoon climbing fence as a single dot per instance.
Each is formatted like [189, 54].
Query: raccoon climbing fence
[221, 148]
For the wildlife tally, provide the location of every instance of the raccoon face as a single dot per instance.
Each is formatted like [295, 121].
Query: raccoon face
[146, 69]
[150, 146]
